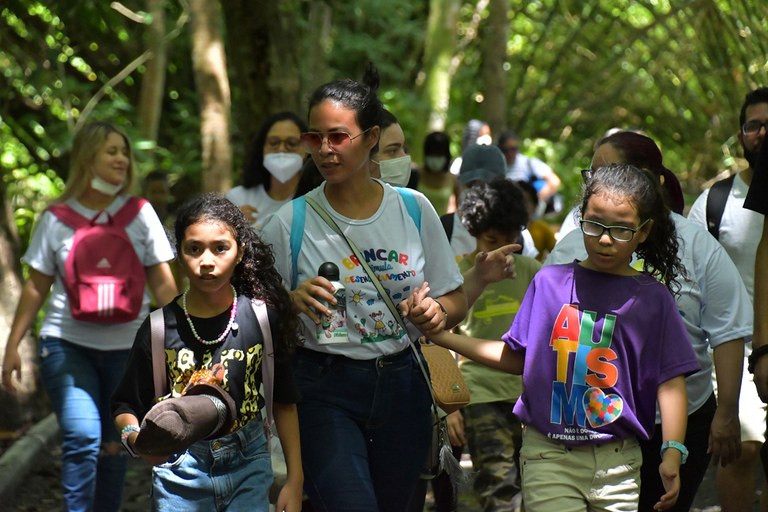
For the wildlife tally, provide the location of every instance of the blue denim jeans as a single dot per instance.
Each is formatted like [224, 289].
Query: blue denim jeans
[233, 473]
[79, 382]
[365, 429]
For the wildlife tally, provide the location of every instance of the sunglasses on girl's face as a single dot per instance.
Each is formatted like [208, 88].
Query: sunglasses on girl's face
[312, 141]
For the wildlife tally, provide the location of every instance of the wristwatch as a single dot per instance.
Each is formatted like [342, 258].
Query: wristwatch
[754, 356]
[124, 439]
[677, 446]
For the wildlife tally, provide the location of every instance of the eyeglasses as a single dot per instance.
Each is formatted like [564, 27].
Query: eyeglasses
[290, 143]
[586, 174]
[617, 233]
[753, 127]
[312, 141]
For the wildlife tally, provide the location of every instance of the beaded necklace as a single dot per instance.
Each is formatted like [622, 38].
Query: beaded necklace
[230, 325]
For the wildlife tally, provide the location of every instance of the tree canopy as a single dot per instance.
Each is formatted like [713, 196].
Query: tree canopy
[569, 71]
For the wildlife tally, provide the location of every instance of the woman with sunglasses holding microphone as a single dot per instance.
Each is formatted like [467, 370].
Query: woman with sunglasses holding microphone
[365, 409]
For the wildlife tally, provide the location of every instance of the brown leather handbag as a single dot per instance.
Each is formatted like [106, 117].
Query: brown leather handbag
[451, 392]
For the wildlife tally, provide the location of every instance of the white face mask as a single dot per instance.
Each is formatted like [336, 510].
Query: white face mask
[396, 171]
[105, 187]
[484, 140]
[283, 166]
[435, 163]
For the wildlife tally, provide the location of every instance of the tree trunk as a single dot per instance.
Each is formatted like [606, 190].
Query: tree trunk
[210, 68]
[493, 48]
[436, 74]
[153, 81]
[20, 408]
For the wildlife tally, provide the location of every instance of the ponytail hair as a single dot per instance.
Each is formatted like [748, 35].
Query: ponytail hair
[357, 96]
[642, 189]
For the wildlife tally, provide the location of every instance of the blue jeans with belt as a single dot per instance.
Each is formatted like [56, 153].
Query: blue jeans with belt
[233, 473]
[79, 382]
[365, 429]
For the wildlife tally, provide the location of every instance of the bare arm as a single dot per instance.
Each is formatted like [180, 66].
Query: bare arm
[493, 353]
[33, 295]
[489, 267]
[161, 283]
[551, 185]
[760, 337]
[287, 422]
[673, 404]
[725, 433]
[433, 315]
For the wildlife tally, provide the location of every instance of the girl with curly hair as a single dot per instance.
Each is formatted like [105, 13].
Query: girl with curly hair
[212, 326]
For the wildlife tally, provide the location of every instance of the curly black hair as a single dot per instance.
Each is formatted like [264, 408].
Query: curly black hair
[498, 205]
[255, 276]
[642, 189]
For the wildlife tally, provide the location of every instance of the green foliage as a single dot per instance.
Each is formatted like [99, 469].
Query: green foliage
[678, 71]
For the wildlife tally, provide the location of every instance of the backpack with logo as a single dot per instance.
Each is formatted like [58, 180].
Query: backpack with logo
[103, 276]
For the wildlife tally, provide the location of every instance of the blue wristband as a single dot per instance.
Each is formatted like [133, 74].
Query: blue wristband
[677, 446]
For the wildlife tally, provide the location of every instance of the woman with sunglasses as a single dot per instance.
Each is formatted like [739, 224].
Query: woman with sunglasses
[272, 168]
[364, 415]
[716, 311]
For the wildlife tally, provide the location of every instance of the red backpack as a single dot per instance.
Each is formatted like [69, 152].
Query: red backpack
[104, 278]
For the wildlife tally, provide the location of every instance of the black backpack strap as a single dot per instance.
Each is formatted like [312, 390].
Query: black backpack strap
[718, 196]
[447, 222]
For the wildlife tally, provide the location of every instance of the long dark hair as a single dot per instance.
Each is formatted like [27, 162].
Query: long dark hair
[359, 97]
[254, 173]
[255, 276]
[642, 151]
[642, 189]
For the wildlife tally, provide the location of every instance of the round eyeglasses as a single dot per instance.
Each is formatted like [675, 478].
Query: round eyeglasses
[617, 233]
[312, 141]
[753, 127]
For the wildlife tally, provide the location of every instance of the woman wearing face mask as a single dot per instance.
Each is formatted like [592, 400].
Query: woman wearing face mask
[81, 361]
[439, 185]
[389, 160]
[272, 168]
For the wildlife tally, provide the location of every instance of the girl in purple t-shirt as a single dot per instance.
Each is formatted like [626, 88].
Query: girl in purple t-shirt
[598, 342]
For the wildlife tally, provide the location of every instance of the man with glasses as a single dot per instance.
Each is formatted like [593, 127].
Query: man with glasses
[521, 167]
[721, 211]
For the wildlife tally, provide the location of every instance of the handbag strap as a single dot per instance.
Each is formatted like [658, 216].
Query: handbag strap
[267, 362]
[157, 337]
[379, 288]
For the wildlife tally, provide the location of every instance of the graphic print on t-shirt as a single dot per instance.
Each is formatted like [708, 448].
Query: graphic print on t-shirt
[584, 372]
[375, 324]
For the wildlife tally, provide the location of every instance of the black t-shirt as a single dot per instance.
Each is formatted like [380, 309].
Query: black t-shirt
[239, 356]
[757, 196]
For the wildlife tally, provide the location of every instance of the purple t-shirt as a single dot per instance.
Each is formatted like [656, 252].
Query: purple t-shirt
[596, 348]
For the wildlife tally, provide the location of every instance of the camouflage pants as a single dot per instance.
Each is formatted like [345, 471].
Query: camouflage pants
[494, 437]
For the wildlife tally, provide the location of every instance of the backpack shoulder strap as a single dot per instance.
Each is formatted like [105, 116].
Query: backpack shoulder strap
[412, 205]
[447, 221]
[718, 196]
[267, 362]
[300, 214]
[157, 336]
[128, 211]
[68, 215]
[297, 235]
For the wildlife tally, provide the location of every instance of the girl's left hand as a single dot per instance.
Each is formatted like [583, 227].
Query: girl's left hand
[290, 498]
[670, 477]
[424, 312]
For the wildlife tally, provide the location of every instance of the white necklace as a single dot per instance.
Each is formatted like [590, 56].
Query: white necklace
[230, 325]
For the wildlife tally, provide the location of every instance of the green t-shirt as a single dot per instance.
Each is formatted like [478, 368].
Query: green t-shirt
[489, 318]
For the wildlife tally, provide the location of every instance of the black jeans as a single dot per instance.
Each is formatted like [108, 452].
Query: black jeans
[691, 473]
